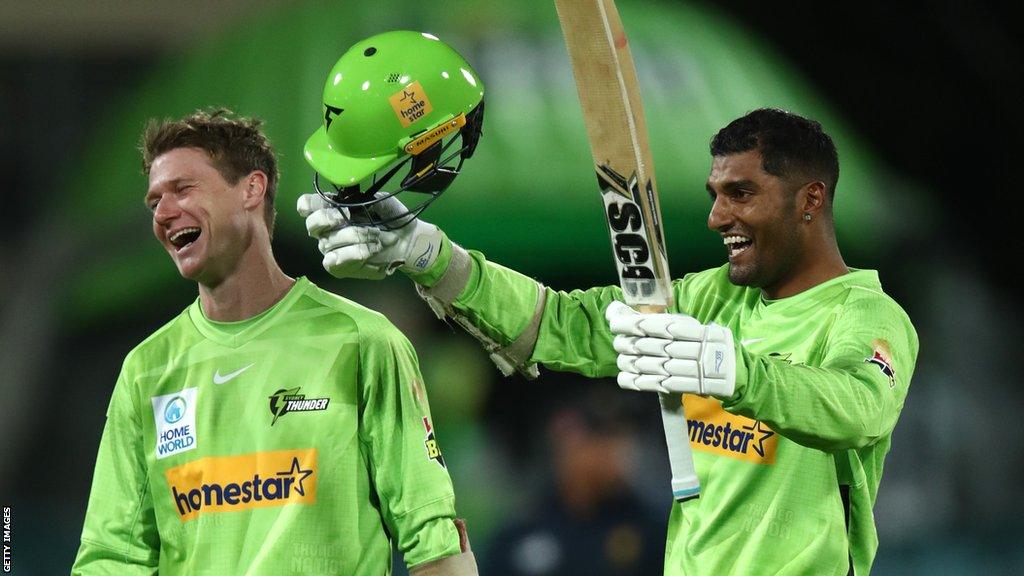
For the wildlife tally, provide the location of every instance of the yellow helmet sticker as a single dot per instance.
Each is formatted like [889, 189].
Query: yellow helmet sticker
[410, 104]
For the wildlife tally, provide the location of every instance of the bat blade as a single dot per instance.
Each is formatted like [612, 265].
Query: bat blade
[617, 131]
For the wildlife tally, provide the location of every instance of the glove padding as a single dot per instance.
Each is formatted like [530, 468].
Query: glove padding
[357, 249]
[672, 353]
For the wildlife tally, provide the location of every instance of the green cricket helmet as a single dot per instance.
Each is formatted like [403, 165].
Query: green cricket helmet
[393, 101]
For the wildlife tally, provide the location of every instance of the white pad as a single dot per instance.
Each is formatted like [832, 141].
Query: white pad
[684, 350]
[626, 380]
[622, 319]
[682, 384]
[625, 344]
[650, 365]
[641, 382]
[652, 346]
[673, 326]
[686, 368]
[625, 363]
[654, 324]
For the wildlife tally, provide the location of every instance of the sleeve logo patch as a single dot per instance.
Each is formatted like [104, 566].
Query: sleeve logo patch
[175, 419]
[417, 391]
[410, 104]
[882, 358]
[430, 443]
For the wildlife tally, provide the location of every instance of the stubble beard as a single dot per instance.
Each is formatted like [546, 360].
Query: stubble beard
[743, 275]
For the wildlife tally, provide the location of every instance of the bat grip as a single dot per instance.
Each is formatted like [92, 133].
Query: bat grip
[685, 485]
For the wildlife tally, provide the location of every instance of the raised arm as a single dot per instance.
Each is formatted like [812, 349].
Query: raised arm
[519, 321]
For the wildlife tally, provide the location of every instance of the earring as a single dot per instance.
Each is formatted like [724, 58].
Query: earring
[807, 216]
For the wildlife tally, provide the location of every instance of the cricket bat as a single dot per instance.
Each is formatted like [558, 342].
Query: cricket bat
[610, 98]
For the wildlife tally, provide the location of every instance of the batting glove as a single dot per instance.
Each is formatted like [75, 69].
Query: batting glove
[672, 353]
[354, 249]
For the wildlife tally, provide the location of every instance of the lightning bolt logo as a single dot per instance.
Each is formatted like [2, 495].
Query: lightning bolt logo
[330, 114]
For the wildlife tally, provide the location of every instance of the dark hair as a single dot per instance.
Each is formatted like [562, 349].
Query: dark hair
[236, 146]
[790, 145]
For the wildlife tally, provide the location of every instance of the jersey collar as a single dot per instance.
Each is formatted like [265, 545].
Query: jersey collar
[235, 334]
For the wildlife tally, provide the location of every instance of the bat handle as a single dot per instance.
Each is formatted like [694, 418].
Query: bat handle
[685, 485]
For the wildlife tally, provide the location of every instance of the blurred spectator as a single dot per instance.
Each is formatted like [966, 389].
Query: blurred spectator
[590, 521]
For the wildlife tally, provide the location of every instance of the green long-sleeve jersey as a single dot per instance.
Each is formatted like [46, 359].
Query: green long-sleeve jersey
[295, 442]
[790, 465]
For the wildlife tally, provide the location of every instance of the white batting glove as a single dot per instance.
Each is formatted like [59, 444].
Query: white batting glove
[353, 249]
[672, 353]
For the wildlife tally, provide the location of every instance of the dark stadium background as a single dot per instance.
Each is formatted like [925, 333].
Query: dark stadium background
[925, 97]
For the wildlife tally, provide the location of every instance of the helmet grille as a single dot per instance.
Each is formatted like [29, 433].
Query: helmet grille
[393, 77]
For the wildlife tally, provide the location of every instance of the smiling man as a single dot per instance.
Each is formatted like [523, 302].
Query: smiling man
[271, 427]
[793, 366]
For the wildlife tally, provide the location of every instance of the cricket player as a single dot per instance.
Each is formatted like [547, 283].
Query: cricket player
[271, 427]
[793, 366]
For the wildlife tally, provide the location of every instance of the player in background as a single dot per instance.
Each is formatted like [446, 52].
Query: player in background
[590, 521]
[794, 367]
[271, 427]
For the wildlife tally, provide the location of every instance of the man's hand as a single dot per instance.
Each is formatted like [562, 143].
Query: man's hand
[672, 353]
[358, 250]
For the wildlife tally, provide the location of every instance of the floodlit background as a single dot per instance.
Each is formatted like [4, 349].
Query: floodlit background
[924, 105]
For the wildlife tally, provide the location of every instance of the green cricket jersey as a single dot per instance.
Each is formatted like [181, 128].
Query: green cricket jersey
[790, 465]
[296, 442]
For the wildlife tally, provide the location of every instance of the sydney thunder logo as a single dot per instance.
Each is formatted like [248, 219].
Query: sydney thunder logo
[284, 401]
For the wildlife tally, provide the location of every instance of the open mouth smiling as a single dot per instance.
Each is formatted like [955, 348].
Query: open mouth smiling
[184, 237]
[736, 245]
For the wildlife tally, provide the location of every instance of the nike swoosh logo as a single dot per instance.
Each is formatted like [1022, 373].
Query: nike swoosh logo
[218, 379]
[750, 341]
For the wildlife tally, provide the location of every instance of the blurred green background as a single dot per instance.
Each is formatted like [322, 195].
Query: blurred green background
[85, 282]
[535, 149]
